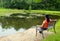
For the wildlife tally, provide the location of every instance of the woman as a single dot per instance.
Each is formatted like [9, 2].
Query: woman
[45, 23]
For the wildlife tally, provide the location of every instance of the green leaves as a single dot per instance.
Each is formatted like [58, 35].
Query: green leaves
[58, 1]
[35, 4]
[37, 1]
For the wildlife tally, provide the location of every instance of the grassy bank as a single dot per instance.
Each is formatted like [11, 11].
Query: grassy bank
[7, 12]
[54, 37]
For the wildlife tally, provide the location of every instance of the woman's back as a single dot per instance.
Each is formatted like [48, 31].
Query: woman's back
[45, 24]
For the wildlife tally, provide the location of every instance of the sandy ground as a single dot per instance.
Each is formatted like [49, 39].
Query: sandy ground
[28, 35]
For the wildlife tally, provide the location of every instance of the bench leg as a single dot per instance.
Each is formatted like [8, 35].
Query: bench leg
[54, 30]
[36, 32]
[42, 35]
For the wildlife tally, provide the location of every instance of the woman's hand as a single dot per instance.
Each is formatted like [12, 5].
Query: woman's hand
[53, 20]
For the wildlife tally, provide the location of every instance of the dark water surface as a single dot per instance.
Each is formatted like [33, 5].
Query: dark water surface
[19, 23]
[23, 20]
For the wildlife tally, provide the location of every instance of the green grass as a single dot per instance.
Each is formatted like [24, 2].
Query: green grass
[7, 12]
[54, 37]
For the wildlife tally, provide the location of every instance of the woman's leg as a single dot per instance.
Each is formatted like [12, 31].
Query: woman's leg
[41, 30]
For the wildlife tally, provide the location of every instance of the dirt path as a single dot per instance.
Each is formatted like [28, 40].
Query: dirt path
[28, 35]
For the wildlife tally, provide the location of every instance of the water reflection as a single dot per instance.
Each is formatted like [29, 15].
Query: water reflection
[23, 20]
[9, 31]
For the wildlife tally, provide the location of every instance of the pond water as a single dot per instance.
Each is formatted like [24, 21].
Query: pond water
[18, 22]
[9, 31]
[23, 20]
[13, 24]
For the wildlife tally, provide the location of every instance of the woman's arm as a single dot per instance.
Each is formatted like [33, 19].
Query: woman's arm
[40, 25]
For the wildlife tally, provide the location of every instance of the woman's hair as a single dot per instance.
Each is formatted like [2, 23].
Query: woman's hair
[47, 17]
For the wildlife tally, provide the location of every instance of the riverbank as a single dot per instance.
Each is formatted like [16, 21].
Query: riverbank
[28, 35]
[7, 12]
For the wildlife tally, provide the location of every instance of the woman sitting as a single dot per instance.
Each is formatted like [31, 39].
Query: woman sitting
[45, 23]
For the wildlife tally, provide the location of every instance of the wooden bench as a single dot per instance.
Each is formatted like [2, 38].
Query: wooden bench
[51, 25]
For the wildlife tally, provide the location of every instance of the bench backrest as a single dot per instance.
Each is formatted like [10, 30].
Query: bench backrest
[52, 24]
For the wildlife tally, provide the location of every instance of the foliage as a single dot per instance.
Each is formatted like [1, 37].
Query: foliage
[35, 4]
